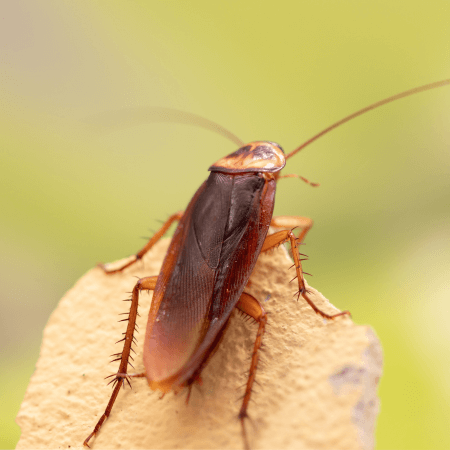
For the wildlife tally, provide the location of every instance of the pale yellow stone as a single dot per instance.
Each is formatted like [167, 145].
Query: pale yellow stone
[317, 379]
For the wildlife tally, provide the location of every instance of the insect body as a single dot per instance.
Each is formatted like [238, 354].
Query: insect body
[210, 259]
[208, 264]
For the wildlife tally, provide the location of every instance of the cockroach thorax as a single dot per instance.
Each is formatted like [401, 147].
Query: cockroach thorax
[258, 156]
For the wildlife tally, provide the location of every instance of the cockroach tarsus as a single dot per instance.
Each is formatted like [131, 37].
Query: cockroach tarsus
[209, 261]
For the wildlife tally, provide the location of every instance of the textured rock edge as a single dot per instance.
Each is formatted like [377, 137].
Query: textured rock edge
[316, 387]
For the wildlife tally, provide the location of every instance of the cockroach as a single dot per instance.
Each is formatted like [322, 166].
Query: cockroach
[208, 264]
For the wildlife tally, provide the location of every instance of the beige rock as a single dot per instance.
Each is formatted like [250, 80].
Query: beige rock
[317, 379]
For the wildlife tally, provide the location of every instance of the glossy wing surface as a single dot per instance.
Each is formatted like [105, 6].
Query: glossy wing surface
[205, 271]
[240, 252]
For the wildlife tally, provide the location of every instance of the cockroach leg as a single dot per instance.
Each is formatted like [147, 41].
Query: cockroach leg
[188, 396]
[153, 240]
[130, 375]
[293, 175]
[251, 307]
[304, 223]
[276, 239]
[144, 284]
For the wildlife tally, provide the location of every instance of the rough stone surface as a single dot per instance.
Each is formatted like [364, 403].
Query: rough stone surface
[317, 379]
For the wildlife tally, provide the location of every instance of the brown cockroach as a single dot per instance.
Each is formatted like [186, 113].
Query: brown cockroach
[208, 264]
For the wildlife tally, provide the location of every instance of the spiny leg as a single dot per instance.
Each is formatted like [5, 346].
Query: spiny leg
[148, 284]
[291, 222]
[276, 239]
[250, 306]
[153, 240]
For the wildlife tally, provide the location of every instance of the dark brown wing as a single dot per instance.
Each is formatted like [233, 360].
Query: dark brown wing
[209, 261]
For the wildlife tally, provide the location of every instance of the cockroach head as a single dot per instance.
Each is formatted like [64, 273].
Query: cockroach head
[258, 156]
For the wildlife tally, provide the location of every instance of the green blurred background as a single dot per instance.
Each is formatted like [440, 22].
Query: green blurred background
[73, 194]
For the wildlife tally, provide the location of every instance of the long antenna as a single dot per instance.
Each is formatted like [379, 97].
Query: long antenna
[135, 116]
[416, 90]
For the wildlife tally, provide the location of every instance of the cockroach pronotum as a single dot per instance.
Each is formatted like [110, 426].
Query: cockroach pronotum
[207, 267]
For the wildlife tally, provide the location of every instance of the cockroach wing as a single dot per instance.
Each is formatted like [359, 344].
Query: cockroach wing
[209, 261]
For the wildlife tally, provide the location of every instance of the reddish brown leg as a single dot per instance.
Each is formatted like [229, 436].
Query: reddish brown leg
[250, 306]
[153, 240]
[276, 239]
[144, 284]
[293, 175]
[129, 375]
[290, 222]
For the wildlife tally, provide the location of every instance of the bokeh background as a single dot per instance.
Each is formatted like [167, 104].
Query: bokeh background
[74, 193]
